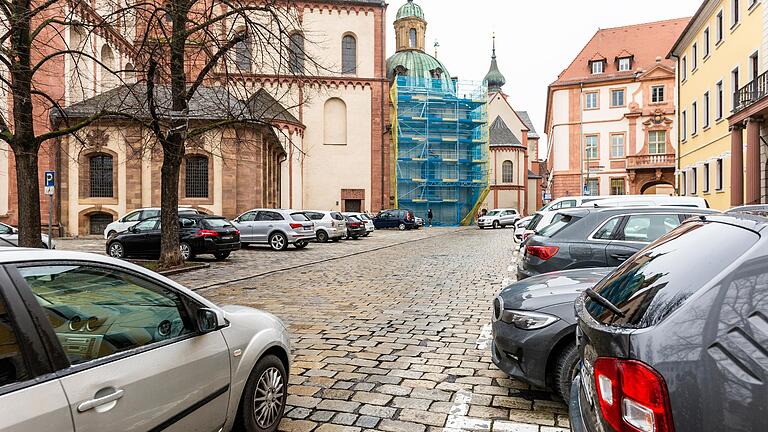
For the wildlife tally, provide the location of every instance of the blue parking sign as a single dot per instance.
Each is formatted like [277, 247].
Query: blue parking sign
[50, 178]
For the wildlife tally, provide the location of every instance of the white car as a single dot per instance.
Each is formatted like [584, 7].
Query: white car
[9, 236]
[137, 216]
[520, 227]
[369, 227]
[329, 225]
[498, 218]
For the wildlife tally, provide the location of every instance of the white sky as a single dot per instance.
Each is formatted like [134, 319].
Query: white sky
[535, 40]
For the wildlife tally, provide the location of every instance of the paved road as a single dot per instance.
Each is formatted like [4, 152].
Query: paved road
[396, 339]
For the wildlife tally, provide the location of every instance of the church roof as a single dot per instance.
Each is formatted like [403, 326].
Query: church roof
[410, 9]
[262, 105]
[501, 135]
[417, 64]
[528, 123]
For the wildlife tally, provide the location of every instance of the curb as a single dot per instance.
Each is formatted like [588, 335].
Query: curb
[280, 270]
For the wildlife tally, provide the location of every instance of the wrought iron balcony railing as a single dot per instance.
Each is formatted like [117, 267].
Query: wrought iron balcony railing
[754, 91]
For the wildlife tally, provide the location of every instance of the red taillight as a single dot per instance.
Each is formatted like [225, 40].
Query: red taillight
[296, 225]
[542, 252]
[237, 231]
[207, 233]
[632, 396]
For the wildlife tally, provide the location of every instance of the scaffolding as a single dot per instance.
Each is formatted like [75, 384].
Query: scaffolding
[440, 131]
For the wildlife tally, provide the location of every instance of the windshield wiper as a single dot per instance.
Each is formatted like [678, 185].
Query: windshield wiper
[604, 302]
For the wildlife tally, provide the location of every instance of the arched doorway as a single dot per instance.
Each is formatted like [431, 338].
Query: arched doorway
[658, 188]
[97, 222]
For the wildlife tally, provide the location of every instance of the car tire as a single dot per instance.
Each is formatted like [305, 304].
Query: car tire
[278, 242]
[402, 227]
[322, 237]
[566, 370]
[116, 250]
[496, 225]
[186, 251]
[267, 387]
[221, 255]
[481, 227]
[301, 244]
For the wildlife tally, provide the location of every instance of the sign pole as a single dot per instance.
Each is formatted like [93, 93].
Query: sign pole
[50, 185]
[50, 220]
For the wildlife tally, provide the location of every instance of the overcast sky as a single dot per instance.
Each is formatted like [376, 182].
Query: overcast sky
[535, 40]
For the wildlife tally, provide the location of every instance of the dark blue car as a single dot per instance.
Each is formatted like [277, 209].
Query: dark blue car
[403, 219]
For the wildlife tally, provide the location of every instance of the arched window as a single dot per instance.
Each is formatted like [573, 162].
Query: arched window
[108, 78]
[196, 183]
[100, 168]
[335, 122]
[78, 75]
[243, 56]
[507, 172]
[349, 55]
[296, 54]
[98, 222]
[129, 74]
[412, 38]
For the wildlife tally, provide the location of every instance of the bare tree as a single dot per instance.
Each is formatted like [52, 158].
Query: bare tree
[186, 45]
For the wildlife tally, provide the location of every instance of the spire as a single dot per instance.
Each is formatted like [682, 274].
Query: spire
[494, 79]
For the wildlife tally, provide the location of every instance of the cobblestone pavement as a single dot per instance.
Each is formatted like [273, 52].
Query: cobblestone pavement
[398, 339]
[259, 260]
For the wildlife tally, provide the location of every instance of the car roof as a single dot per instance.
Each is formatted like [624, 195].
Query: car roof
[748, 221]
[636, 209]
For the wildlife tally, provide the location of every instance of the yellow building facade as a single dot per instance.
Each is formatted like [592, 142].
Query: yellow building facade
[718, 54]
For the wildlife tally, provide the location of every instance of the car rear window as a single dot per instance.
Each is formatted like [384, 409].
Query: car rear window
[337, 216]
[217, 223]
[559, 223]
[299, 217]
[657, 280]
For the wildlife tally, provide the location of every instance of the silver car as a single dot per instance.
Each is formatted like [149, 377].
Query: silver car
[9, 236]
[329, 225]
[88, 341]
[369, 227]
[499, 218]
[276, 228]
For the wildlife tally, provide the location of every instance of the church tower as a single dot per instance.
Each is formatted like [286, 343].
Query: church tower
[410, 27]
[494, 79]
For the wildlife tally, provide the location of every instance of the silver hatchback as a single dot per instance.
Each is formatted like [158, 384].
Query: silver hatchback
[276, 228]
[499, 218]
[329, 225]
[91, 343]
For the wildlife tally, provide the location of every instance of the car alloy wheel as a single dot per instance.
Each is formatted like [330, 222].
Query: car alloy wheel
[268, 398]
[401, 227]
[116, 250]
[278, 242]
[186, 251]
[301, 244]
[322, 236]
[496, 224]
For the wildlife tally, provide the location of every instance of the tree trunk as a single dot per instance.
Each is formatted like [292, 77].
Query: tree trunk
[28, 189]
[170, 255]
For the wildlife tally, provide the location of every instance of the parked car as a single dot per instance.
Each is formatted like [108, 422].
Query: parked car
[276, 228]
[520, 227]
[676, 338]
[137, 216]
[419, 222]
[9, 236]
[329, 225]
[89, 341]
[499, 218]
[367, 220]
[598, 237]
[402, 219]
[355, 227]
[544, 217]
[756, 209]
[198, 235]
[534, 327]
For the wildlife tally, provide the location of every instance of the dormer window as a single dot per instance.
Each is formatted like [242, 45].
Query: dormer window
[625, 64]
[597, 66]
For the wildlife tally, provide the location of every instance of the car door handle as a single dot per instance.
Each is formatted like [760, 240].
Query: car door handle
[93, 403]
[620, 257]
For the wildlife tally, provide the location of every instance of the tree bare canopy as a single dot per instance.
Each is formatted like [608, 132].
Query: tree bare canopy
[34, 50]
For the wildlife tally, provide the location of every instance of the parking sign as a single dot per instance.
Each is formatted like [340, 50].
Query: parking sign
[50, 182]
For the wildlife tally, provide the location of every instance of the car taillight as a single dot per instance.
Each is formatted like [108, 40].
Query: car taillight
[542, 252]
[296, 225]
[632, 396]
[237, 231]
[207, 233]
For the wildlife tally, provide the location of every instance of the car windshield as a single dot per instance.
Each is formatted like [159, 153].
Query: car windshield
[217, 223]
[657, 280]
[493, 213]
[559, 222]
[299, 217]
[535, 220]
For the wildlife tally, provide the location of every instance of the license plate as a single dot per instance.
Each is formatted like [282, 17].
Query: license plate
[307, 228]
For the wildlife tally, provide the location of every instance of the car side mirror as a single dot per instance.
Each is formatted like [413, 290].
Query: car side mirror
[210, 320]
[14, 230]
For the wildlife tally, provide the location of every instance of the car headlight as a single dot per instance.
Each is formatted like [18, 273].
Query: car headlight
[526, 320]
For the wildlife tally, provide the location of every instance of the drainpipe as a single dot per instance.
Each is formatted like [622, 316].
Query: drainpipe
[581, 138]
[677, 117]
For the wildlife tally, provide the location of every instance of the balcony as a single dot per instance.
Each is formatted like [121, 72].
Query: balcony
[651, 161]
[751, 93]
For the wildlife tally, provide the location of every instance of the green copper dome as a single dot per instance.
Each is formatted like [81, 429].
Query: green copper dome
[417, 64]
[410, 9]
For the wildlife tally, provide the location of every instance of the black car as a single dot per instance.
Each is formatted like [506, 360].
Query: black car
[676, 339]
[598, 237]
[355, 227]
[534, 327]
[403, 219]
[199, 235]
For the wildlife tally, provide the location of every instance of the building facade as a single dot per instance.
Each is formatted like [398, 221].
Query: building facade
[514, 166]
[722, 87]
[611, 117]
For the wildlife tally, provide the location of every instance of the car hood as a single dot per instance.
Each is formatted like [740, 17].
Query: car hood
[551, 288]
